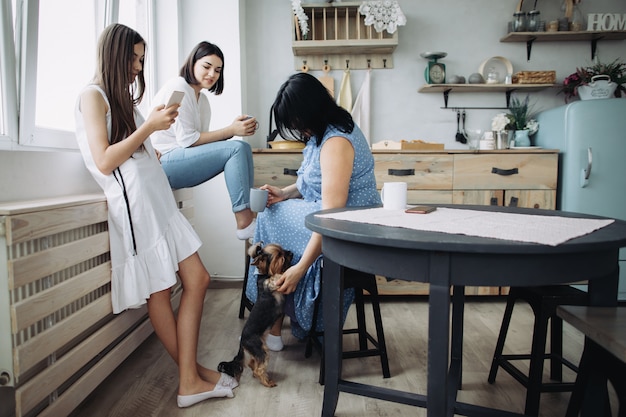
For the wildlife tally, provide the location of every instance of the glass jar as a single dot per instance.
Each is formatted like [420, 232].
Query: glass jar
[533, 21]
[519, 22]
[578, 21]
[493, 77]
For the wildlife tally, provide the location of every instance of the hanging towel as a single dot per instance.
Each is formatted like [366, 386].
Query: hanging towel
[344, 99]
[361, 109]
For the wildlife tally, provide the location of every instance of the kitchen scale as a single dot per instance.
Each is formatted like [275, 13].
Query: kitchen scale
[435, 72]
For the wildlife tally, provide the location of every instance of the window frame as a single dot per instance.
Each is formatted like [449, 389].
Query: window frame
[8, 81]
[24, 132]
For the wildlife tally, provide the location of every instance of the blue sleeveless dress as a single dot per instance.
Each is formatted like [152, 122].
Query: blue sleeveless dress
[283, 223]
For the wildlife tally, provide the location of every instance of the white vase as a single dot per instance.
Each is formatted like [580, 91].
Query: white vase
[522, 139]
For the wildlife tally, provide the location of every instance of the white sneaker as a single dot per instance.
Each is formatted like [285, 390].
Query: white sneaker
[274, 343]
[248, 232]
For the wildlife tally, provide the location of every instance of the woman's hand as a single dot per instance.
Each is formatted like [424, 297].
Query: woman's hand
[275, 194]
[244, 126]
[288, 282]
[161, 118]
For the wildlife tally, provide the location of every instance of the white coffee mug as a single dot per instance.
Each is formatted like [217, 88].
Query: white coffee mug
[393, 195]
[258, 199]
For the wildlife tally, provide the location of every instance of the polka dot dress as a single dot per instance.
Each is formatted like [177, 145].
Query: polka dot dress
[283, 223]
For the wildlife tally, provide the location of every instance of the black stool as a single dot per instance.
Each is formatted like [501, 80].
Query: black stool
[543, 300]
[245, 303]
[602, 360]
[361, 282]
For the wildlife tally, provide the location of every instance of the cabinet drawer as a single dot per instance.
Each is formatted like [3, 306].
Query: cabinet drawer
[420, 172]
[506, 171]
[276, 168]
[419, 197]
[540, 199]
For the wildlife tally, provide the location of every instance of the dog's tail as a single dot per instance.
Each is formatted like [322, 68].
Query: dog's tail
[233, 368]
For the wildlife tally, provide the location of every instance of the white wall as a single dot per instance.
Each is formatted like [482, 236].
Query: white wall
[255, 36]
[469, 31]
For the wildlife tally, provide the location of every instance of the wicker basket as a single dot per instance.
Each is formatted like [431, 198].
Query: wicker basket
[534, 77]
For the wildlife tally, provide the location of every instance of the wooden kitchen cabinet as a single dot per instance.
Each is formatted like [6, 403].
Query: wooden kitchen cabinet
[276, 167]
[505, 179]
[526, 178]
[520, 179]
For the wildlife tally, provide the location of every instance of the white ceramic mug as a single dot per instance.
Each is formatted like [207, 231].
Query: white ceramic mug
[258, 199]
[393, 195]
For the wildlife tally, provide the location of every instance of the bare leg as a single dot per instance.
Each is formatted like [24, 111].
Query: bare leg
[277, 327]
[181, 338]
[244, 218]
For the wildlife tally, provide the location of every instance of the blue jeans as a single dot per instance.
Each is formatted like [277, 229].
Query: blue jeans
[188, 167]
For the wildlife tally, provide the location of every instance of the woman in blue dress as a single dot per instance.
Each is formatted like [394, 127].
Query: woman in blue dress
[337, 171]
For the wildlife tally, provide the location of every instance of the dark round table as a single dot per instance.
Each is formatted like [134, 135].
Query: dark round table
[451, 262]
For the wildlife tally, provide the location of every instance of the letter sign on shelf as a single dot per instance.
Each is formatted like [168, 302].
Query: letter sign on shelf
[606, 21]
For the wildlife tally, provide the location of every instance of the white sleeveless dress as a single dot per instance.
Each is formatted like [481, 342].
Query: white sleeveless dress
[147, 245]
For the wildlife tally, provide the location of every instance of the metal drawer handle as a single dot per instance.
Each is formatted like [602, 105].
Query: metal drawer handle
[292, 172]
[401, 172]
[500, 171]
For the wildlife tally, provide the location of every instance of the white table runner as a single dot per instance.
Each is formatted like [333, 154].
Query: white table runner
[533, 228]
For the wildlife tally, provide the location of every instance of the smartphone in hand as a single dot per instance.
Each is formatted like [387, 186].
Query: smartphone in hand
[421, 209]
[175, 98]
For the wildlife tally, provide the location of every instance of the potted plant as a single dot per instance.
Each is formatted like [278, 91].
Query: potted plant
[519, 119]
[599, 73]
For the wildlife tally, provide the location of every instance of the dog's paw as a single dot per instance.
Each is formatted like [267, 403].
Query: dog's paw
[268, 383]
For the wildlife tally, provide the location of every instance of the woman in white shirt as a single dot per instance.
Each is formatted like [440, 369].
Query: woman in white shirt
[190, 153]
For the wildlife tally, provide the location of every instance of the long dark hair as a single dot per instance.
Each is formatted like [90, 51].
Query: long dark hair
[200, 51]
[303, 108]
[113, 74]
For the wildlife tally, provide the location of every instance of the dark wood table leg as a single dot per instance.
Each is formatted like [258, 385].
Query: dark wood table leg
[456, 353]
[438, 336]
[332, 291]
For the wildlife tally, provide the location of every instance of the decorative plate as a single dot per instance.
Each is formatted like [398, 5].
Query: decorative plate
[502, 65]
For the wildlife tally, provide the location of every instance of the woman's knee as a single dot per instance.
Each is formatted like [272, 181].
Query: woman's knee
[193, 274]
[242, 146]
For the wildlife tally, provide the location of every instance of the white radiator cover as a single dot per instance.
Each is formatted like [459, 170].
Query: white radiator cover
[58, 336]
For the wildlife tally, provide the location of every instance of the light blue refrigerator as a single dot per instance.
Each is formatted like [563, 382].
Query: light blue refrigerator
[591, 137]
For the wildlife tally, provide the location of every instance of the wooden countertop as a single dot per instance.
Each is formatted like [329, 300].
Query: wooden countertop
[438, 151]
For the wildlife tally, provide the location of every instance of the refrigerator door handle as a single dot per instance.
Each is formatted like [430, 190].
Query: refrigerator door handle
[586, 173]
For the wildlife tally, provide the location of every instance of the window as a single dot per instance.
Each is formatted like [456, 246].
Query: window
[59, 60]
[8, 88]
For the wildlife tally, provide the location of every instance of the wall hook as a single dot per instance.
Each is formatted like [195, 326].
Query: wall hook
[369, 62]
[384, 63]
[347, 64]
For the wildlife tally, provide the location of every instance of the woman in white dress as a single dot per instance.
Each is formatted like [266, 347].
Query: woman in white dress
[150, 240]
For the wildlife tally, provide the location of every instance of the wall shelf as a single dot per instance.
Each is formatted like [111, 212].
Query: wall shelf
[337, 35]
[592, 36]
[482, 88]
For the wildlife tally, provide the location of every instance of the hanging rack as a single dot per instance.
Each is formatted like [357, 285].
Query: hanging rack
[355, 61]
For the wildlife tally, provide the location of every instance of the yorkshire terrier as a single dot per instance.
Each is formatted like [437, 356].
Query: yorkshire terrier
[271, 261]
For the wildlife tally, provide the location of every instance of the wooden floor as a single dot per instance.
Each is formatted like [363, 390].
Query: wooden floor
[146, 383]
